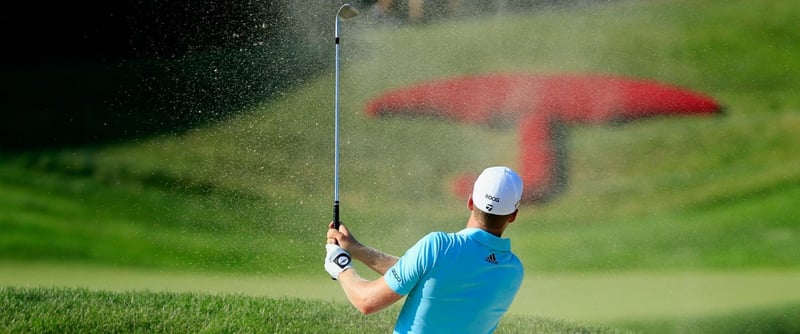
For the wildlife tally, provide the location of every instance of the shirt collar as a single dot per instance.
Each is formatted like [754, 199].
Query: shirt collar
[488, 239]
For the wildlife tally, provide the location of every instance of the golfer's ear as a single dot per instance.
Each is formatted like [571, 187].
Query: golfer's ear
[470, 203]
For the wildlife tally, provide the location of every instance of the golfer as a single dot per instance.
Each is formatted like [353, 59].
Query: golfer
[459, 282]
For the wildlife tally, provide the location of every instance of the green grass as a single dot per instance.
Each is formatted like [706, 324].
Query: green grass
[84, 311]
[253, 194]
[776, 319]
[71, 310]
[84, 219]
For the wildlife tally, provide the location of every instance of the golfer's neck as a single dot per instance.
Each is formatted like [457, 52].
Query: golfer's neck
[472, 222]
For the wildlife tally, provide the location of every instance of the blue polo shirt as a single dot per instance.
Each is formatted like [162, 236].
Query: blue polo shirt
[456, 282]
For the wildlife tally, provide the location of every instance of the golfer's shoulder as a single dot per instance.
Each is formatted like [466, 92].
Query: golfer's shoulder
[440, 236]
[440, 239]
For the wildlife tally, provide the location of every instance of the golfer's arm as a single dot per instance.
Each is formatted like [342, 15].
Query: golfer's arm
[375, 259]
[367, 296]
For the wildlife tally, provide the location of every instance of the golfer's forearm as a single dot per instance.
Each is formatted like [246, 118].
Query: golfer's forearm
[355, 288]
[366, 296]
[376, 260]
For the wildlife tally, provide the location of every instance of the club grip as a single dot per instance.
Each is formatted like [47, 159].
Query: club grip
[336, 215]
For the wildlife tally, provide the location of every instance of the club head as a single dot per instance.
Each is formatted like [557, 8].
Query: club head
[347, 11]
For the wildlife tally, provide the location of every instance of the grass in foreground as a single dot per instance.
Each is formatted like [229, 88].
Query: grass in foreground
[60, 310]
[48, 310]
[780, 319]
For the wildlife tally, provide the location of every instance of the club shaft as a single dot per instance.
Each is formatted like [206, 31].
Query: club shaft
[336, 133]
[346, 11]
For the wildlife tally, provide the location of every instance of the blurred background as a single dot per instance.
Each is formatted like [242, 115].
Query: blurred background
[90, 73]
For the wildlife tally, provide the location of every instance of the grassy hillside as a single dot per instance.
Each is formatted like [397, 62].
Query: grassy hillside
[254, 193]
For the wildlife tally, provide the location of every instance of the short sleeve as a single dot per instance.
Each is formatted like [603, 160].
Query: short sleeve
[417, 262]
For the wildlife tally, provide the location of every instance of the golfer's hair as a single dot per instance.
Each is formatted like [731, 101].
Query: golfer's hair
[490, 220]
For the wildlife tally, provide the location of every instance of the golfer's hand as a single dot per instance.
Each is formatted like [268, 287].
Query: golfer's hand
[337, 260]
[344, 239]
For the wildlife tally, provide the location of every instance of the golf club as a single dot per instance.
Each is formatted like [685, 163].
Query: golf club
[346, 11]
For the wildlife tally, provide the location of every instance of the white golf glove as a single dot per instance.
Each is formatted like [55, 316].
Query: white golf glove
[337, 260]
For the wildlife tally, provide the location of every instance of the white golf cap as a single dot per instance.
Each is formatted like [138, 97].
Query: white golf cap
[498, 191]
